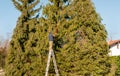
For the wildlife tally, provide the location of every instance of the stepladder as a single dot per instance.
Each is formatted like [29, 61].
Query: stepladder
[51, 55]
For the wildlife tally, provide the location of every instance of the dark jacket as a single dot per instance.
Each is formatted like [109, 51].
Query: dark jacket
[50, 36]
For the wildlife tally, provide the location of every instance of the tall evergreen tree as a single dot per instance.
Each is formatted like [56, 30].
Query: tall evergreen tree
[80, 44]
[54, 14]
[89, 40]
[22, 57]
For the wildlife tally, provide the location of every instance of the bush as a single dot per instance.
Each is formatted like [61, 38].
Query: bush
[115, 68]
[3, 53]
[118, 66]
[2, 57]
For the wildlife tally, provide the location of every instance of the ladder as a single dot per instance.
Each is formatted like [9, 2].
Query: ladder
[51, 53]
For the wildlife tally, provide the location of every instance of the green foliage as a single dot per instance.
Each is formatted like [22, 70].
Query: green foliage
[115, 67]
[80, 44]
[3, 53]
[23, 58]
[118, 66]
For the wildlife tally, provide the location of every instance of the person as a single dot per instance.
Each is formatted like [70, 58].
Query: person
[51, 38]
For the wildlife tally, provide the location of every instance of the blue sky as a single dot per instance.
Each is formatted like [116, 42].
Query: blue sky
[108, 9]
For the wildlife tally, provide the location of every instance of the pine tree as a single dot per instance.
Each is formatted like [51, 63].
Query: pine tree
[22, 57]
[90, 39]
[80, 44]
[52, 20]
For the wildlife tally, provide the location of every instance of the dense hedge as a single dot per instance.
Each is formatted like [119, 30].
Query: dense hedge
[3, 53]
[80, 40]
[118, 66]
